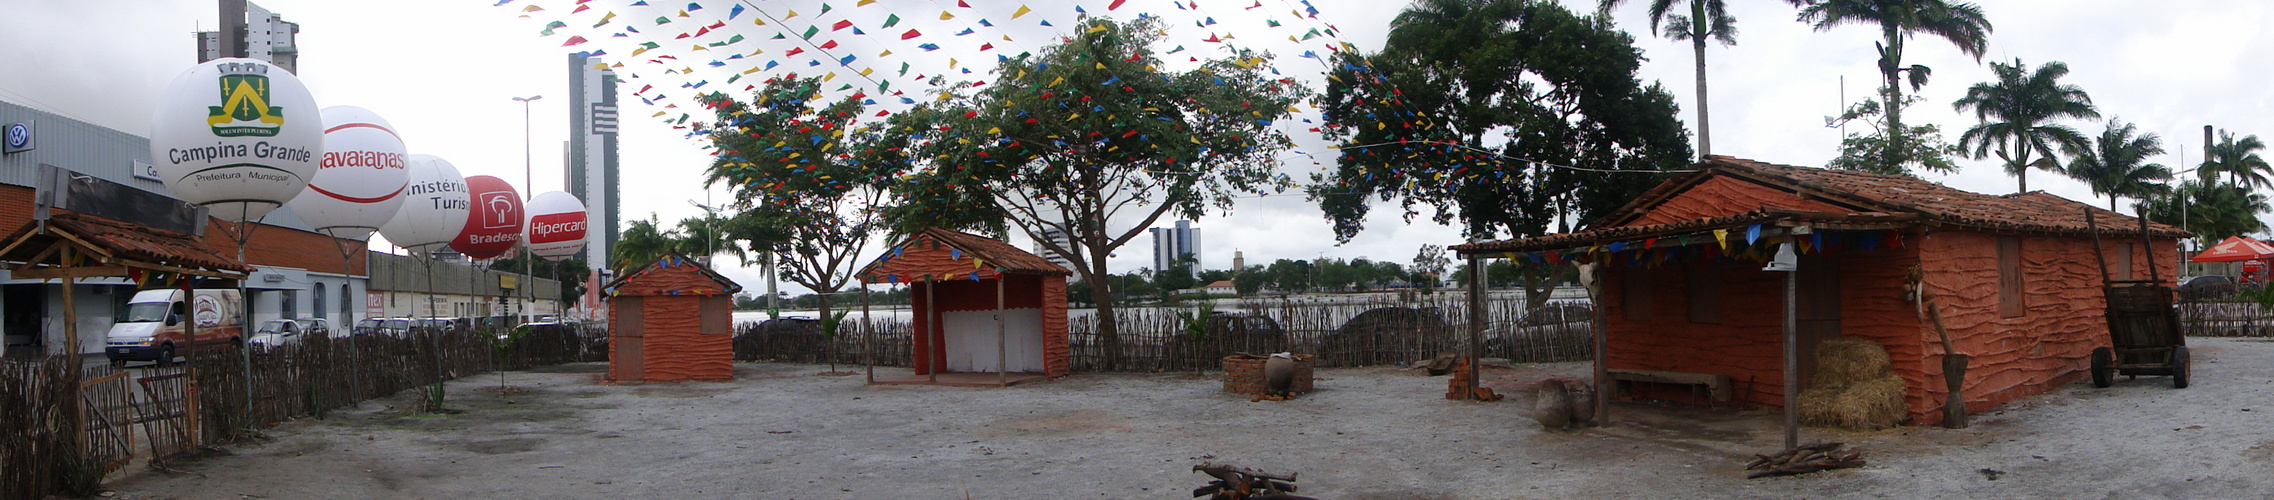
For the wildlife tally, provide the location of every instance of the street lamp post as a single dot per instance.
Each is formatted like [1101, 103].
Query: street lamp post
[529, 188]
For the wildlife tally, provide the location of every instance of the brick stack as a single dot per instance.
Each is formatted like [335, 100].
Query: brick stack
[1458, 387]
[1244, 374]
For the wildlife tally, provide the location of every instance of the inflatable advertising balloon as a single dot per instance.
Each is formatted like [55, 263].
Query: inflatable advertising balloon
[556, 225]
[434, 206]
[493, 225]
[360, 182]
[239, 136]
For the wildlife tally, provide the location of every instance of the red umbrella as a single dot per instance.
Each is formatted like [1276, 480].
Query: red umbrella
[2236, 248]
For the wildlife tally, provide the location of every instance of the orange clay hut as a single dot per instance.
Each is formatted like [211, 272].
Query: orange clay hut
[1683, 290]
[986, 313]
[672, 320]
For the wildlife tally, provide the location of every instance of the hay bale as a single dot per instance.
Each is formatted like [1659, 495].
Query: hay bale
[1843, 361]
[1871, 404]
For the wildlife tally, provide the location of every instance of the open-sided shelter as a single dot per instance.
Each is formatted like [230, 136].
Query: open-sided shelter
[1684, 296]
[671, 320]
[981, 306]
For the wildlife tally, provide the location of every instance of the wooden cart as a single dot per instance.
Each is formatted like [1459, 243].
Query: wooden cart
[2143, 327]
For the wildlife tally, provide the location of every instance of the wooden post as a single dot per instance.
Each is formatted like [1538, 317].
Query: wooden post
[1602, 348]
[1002, 347]
[931, 324]
[71, 351]
[189, 361]
[868, 332]
[1792, 356]
[1477, 290]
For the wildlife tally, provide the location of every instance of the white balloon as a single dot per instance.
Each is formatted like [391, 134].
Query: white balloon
[361, 180]
[239, 136]
[434, 206]
[556, 225]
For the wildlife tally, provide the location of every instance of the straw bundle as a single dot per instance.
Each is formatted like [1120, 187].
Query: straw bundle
[1854, 387]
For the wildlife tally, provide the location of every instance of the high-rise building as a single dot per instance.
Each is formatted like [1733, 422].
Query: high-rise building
[591, 154]
[250, 31]
[1172, 243]
[1059, 237]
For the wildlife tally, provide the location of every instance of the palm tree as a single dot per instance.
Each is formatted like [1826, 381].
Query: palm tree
[2022, 102]
[2238, 159]
[1707, 19]
[641, 243]
[1899, 20]
[2116, 164]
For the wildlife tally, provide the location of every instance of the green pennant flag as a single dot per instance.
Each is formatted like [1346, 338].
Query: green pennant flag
[903, 68]
[663, 19]
[736, 38]
[651, 45]
[825, 8]
[891, 20]
[810, 31]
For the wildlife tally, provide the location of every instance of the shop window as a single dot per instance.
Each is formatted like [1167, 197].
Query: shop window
[318, 310]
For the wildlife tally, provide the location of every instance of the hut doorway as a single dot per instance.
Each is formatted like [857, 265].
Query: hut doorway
[1021, 344]
[1819, 308]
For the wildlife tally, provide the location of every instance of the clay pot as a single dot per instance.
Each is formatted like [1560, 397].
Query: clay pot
[1278, 375]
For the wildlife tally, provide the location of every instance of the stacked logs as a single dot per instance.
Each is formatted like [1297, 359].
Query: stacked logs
[1803, 460]
[1241, 483]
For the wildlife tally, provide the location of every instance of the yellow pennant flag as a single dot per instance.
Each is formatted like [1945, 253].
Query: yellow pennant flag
[1721, 236]
[751, 70]
[866, 71]
[760, 21]
[790, 15]
[831, 76]
[1023, 10]
[995, 130]
[863, 3]
[886, 52]
[951, 63]
[1060, 80]
[1100, 65]
[944, 15]
[636, 52]
[1097, 28]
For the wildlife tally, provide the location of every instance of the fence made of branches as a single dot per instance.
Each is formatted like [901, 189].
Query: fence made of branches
[1343, 331]
[301, 377]
[2224, 312]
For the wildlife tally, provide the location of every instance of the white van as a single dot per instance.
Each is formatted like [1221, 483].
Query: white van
[153, 329]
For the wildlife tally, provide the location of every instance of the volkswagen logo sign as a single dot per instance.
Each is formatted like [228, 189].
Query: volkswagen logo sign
[19, 137]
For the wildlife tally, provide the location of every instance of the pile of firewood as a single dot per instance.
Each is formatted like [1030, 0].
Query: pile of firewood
[1458, 388]
[1803, 460]
[1241, 483]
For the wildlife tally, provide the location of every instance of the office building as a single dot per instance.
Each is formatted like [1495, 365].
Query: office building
[1172, 243]
[1058, 237]
[591, 162]
[250, 31]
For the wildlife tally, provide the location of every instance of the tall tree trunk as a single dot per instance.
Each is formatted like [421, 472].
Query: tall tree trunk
[1890, 66]
[1101, 292]
[1697, 44]
[833, 326]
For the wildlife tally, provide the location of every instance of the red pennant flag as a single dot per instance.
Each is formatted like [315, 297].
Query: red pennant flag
[840, 25]
[831, 45]
[1117, 4]
[573, 40]
[796, 50]
[959, 3]
[910, 34]
[986, 46]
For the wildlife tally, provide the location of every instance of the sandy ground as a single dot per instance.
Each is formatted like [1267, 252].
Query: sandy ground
[783, 431]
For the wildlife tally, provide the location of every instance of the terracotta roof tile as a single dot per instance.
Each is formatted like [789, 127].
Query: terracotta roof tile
[126, 241]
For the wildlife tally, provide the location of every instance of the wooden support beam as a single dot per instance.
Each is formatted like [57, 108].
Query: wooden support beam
[44, 272]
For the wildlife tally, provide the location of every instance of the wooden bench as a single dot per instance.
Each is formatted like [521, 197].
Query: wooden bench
[1715, 384]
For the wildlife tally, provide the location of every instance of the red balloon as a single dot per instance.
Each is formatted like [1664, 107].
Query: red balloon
[493, 224]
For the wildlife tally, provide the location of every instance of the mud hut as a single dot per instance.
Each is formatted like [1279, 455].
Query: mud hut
[671, 320]
[1689, 309]
[986, 313]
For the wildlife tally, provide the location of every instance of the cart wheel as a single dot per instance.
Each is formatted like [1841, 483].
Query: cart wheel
[2103, 367]
[2179, 367]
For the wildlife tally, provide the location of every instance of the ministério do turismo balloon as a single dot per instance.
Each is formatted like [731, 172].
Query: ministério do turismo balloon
[556, 225]
[239, 136]
[434, 206]
[360, 182]
[493, 224]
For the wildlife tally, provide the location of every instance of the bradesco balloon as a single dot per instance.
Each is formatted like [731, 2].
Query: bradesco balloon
[360, 182]
[556, 225]
[493, 225]
[434, 206]
[239, 136]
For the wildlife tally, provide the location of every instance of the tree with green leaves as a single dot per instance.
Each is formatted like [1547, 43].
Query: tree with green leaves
[1707, 19]
[2239, 159]
[641, 243]
[1429, 266]
[806, 179]
[1922, 146]
[1091, 138]
[1962, 24]
[2211, 210]
[2117, 164]
[2016, 114]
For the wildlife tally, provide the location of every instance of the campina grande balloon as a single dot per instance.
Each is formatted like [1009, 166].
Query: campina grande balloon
[360, 182]
[556, 225]
[239, 136]
[493, 224]
[434, 206]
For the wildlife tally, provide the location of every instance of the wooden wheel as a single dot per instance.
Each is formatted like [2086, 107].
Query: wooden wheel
[2103, 367]
[2179, 367]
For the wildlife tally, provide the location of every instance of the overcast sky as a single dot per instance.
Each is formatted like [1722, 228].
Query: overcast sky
[444, 73]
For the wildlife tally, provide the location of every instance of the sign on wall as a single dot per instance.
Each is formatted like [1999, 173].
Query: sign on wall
[18, 137]
[374, 304]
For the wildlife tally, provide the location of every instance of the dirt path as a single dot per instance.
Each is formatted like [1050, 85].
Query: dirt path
[781, 431]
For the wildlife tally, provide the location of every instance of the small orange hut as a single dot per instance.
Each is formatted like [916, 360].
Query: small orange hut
[986, 313]
[672, 320]
[1684, 296]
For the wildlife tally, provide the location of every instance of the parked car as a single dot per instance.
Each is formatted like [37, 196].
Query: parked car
[275, 333]
[315, 326]
[1539, 324]
[2205, 287]
[1390, 335]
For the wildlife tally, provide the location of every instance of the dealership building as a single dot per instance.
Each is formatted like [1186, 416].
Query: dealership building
[298, 273]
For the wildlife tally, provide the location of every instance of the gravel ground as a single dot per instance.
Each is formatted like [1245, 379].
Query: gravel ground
[785, 431]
